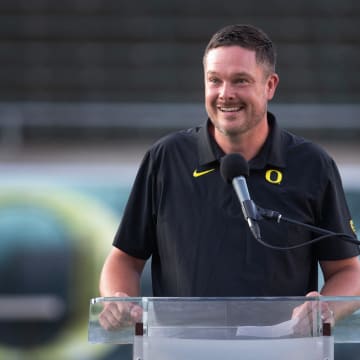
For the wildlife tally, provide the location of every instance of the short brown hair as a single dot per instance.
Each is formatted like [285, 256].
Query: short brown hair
[248, 37]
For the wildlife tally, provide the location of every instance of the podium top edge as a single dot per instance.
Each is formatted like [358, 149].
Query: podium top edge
[228, 299]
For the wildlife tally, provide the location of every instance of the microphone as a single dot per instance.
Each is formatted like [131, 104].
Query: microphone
[235, 169]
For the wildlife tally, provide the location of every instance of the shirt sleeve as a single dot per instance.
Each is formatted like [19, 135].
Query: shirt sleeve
[335, 216]
[137, 230]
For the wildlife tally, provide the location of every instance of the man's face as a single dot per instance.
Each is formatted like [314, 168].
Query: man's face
[237, 89]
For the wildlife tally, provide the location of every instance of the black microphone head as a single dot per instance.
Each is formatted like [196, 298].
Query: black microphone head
[233, 165]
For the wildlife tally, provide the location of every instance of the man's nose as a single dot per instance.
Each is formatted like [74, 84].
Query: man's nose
[226, 91]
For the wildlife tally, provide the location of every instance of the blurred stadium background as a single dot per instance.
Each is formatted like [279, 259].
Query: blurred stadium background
[85, 87]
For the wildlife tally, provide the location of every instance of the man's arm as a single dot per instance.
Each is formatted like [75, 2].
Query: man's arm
[342, 278]
[121, 274]
[120, 277]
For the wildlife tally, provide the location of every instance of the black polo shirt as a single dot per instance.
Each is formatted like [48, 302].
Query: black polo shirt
[183, 214]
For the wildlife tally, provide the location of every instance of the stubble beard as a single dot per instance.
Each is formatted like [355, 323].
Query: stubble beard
[243, 128]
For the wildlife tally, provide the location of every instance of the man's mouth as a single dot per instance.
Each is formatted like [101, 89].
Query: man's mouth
[230, 108]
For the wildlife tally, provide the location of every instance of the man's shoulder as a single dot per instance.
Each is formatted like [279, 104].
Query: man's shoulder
[177, 139]
[301, 146]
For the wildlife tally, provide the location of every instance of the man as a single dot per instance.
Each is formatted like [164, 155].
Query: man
[183, 215]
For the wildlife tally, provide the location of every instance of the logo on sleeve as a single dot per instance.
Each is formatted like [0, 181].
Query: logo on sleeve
[273, 176]
[197, 173]
[352, 226]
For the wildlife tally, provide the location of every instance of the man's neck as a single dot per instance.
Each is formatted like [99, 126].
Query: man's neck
[248, 144]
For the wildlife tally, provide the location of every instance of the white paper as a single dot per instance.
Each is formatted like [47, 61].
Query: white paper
[285, 328]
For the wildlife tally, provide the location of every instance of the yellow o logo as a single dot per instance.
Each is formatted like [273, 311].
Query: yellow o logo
[273, 176]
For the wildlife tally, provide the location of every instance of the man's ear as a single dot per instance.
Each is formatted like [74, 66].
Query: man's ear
[272, 83]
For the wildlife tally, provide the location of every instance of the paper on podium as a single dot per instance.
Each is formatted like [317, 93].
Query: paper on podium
[282, 329]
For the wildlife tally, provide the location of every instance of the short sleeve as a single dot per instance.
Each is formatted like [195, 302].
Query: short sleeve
[136, 232]
[335, 216]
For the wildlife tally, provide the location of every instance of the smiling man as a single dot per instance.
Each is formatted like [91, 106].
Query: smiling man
[189, 221]
[238, 87]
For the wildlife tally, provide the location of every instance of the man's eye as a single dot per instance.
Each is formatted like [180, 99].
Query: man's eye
[214, 80]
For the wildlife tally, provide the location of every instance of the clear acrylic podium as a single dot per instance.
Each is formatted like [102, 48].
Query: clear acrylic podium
[227, 328]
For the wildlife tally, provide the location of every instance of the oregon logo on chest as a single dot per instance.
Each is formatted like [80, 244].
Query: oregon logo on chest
[273, 176]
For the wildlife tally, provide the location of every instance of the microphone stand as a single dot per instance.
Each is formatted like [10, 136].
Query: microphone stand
[276, 216]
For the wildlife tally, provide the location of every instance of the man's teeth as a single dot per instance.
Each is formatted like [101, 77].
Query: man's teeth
[229, 109]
